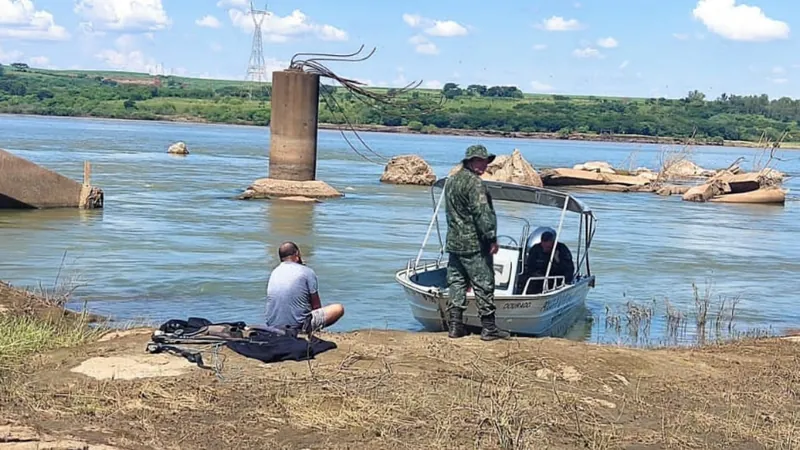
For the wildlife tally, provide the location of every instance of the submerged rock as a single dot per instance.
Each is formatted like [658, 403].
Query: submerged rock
[595, 166]
[672, 189]
[572, 177]
[268, 188]
[408, 169]
[770, 195]
[178, 148]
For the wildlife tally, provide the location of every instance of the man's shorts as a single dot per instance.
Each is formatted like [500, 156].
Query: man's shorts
[315, 321]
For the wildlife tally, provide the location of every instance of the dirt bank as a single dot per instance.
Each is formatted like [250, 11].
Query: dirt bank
[383, 389]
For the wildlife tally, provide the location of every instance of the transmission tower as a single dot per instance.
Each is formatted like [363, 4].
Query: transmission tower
[257, 68]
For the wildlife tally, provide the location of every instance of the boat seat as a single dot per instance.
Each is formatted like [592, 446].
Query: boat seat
[503, 269]
[502, 273]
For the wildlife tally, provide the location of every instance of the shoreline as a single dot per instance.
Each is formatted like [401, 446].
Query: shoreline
[101, 390]
[453, 132]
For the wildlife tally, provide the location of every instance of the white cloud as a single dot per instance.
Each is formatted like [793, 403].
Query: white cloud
[279, 29]
[541, 87]
[125, 42]
[233, 4]
[778, 70]
[331, 33]
[540, 47]
[423, 45]
[680, 36]
[9, 56]
[624, 64]
[739, 22]
[125, 55]
[558, 23]
[39, 61]
[19, 19]
[132, 61]
[412, 20]
[432, 27]
[208, 21]
[122, 15]
[608, 42]
[446, 28]
[587, 52]
[434, 84]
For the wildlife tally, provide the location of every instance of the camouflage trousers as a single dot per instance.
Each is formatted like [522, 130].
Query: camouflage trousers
[475, 269]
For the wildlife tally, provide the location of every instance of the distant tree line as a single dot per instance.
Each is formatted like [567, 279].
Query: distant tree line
[476, 107]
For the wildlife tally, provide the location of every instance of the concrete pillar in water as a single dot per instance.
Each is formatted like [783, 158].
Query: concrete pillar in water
[27, 185]
[293, 126]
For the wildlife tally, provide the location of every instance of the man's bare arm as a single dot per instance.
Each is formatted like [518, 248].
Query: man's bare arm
[316, 303]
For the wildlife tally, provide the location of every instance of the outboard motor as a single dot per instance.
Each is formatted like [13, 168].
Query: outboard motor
[536, 236]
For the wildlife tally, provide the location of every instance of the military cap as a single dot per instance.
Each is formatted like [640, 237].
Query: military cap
[477, 151]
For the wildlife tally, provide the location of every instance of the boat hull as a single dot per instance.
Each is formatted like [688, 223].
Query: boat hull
[549, 314]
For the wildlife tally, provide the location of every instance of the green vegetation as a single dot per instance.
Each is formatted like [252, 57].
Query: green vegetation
[29, 334]
[24, 90]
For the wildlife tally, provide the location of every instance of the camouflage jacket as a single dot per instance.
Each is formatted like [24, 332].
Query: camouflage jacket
[471, 220]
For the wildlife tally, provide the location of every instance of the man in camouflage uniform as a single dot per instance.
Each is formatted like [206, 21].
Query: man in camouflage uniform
[471, 244]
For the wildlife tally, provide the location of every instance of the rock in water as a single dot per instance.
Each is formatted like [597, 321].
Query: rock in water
[595, 166]
[686, 168]
[509, 169]
[178, 148]
[267, 188]
[408, 169]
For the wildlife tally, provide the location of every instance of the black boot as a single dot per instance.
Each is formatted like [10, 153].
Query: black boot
[490, 332]
[456, 325]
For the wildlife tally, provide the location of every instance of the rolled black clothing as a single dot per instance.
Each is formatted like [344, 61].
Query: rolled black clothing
[265, 344]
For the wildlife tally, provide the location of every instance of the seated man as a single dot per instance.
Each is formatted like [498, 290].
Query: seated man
[539, 257]
[292, 298]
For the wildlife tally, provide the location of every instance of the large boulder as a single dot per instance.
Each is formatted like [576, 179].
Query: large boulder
[408, 169]
[595, 166]
[685, 168]
[178, 148]
[511, 168]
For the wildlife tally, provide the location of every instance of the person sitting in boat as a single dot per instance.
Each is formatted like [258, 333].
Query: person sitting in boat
[293, 298]
[539, 257]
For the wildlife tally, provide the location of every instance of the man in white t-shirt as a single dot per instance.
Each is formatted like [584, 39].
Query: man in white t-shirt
[292, 295]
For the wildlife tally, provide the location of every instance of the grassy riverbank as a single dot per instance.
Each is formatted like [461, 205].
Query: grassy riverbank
[383, 389]
[474, 110]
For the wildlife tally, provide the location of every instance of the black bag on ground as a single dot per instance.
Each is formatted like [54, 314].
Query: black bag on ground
[258, 343]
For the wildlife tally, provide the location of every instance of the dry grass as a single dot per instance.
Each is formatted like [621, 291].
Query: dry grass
[402, 390]
[383, 389]
[713, 320]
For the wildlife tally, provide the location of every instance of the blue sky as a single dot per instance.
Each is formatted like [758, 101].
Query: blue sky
[600, 47]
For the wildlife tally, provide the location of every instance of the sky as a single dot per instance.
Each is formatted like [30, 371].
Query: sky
[639, 48]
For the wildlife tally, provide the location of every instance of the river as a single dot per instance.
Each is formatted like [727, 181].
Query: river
[172, 241]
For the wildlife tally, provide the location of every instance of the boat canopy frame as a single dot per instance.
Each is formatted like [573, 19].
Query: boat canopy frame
[517, 193]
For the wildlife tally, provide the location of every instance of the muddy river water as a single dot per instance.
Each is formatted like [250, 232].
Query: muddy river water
[172, 241]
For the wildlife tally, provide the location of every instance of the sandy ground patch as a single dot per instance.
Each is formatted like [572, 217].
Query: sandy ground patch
[131, 367]
[123, 333]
